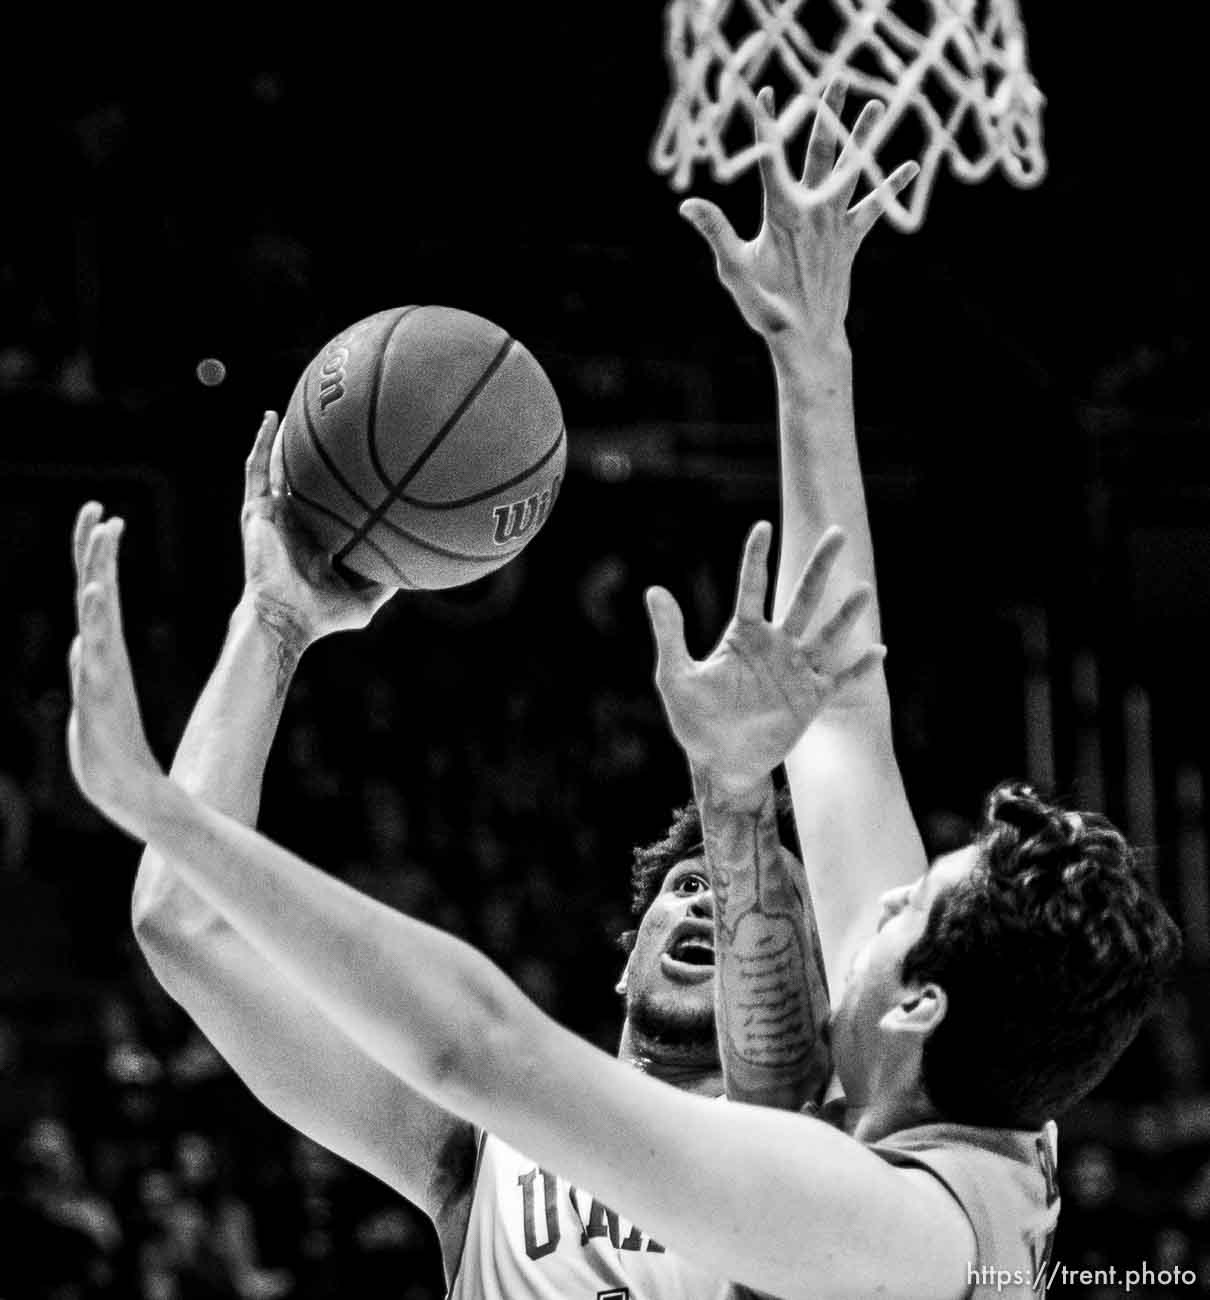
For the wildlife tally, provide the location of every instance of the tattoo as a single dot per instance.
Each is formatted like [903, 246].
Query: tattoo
[290, 639]
[771, 991]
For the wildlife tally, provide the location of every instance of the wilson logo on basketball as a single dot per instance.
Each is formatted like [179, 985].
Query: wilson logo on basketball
[332, 378]
[518, 517]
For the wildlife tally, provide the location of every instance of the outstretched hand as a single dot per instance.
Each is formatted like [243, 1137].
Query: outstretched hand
[793, 278]
[738, 713]
[288, 579]
[107, 746]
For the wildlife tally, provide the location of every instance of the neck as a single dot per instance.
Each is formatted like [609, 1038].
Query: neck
[690, 1067]
[890, 1114]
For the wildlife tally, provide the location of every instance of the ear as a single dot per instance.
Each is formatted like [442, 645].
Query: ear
[918, 1012]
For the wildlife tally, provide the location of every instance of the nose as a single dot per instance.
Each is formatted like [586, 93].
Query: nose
[702, 905]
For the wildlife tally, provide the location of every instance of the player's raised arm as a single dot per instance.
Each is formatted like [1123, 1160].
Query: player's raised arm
[781, 1203]
[737, 714]
[295, 1059]
[920, 1202]
[791, 283]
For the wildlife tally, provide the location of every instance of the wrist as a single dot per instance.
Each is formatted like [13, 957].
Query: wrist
[165, 804]
[269, 639]
[280, 627]
[808, 360]
[724, 793]
[136, 800]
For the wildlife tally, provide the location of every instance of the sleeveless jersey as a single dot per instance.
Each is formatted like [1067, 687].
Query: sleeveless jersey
[532, 1236]
[1005, 1181]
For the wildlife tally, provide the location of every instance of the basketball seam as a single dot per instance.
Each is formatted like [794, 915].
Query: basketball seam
[489, 492]
[320, 451]
[324, 510]
[437, 439]
[376, 393]
[404, 580]
[296, 495]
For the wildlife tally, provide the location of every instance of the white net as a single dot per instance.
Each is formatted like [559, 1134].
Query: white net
[952, 73]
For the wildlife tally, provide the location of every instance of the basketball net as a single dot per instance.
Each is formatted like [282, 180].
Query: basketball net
[952, 74]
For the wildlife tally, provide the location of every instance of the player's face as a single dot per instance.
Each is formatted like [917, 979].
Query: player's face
[874, 985]
[669, 979]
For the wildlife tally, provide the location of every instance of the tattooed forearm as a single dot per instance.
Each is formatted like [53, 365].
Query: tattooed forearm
[771, 993]
[290, 640]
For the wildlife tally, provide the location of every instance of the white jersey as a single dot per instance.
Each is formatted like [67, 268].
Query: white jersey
[532, 1236]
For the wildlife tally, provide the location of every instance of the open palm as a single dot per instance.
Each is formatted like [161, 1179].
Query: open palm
[106, 743]
[793, 276]
[739, 712]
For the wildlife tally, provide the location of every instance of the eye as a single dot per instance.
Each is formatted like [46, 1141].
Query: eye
[693, 882]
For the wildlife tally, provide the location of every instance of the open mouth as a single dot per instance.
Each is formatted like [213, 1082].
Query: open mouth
[693, 950]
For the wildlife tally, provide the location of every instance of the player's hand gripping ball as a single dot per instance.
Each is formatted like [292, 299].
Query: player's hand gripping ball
[423, 447]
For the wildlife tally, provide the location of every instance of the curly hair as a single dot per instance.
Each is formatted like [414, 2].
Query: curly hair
[682, 840]
[1051, 954]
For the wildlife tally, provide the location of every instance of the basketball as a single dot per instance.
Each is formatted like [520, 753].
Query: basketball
[423, 447]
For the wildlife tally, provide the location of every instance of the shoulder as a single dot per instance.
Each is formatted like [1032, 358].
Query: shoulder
[1021, 1157]
[1002, 1179]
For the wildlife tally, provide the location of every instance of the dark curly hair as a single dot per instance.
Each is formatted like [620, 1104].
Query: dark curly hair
[1051, 955]
[682, 840]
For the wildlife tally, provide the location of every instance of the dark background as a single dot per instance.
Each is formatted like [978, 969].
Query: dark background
[1033, 428]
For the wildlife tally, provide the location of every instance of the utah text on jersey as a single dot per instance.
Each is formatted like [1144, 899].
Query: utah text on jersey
[539, 1193]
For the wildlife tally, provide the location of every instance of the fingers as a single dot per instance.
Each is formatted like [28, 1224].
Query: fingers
[256, 467]
[821, 147]
[708, 220]
[834, 631]
[867, 212]
[773, 180]
[100, 554]
[277, 463]
[86, 520]
[860, 668]
[668, 631]
[90, 562]
[776, 182]
[97, 608]
[94, 626]
[754, 574]
[869, 117]
[813, 580]
[73, 667]
[85, 529]
[94, 632]
[118, 527]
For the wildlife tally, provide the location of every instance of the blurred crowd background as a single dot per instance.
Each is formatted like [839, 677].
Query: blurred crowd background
[1033, 419]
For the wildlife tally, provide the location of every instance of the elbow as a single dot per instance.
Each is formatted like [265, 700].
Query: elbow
[466, 1069]
[149, 898]
[163, 910]
[144, 914]
[480, 1052]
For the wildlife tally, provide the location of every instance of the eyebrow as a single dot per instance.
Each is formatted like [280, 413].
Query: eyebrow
[696, 865]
